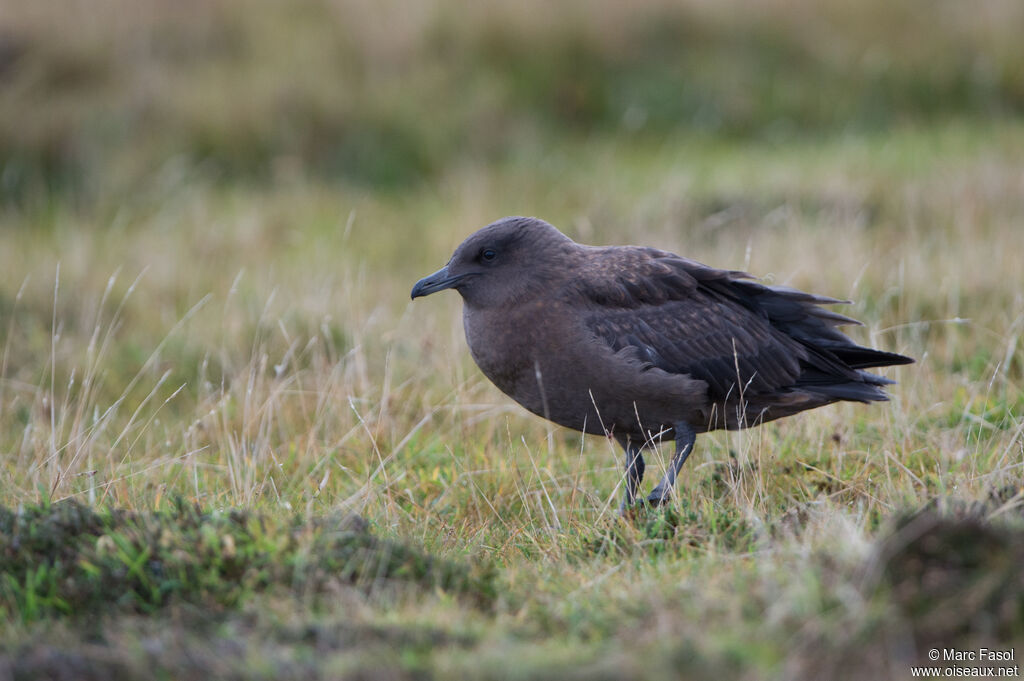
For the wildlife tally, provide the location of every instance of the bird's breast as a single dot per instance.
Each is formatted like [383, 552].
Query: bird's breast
[504, 342]
[516, 346]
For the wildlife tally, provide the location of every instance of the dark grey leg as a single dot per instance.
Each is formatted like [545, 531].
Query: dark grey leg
[634, 472]
[685, 437]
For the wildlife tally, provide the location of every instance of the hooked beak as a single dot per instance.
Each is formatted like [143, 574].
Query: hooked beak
[438, 281]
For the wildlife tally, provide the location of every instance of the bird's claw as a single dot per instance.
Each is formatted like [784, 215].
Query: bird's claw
[659, 497]
[655, 500]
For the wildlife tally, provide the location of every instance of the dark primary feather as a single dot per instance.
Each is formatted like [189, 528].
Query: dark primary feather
[739, 336]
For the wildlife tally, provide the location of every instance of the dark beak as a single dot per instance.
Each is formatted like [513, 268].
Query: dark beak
[438, 281]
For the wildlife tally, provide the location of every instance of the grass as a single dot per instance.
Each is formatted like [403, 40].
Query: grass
[68, 559]
[231, 447]
[392, 96]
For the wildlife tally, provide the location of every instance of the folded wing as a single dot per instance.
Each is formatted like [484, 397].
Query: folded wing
[745, 339]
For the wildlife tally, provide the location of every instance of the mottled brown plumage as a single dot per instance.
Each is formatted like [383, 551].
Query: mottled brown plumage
[643, 344]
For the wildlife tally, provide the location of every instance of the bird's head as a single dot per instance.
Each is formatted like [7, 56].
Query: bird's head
[501, 263]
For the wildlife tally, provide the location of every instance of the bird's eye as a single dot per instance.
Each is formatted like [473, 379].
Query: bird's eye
[488, 254]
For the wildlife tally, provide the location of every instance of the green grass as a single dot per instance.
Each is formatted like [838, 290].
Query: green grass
[69, 560]
[274, 368]
[231, 447]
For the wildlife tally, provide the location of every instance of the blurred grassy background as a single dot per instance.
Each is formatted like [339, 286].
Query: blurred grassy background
[211, 214]
[98, 97]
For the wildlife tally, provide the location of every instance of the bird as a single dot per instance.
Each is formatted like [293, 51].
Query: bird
[640, 344]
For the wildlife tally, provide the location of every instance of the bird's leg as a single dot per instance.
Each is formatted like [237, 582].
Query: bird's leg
[685, 437]
[634, 472]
